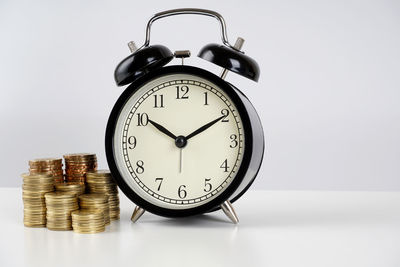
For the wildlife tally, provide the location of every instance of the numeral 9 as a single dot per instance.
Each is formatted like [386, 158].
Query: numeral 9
[132, 142]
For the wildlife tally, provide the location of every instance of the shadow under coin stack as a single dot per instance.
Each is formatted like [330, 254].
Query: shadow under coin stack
[47, 165]
[76, 188]
[88, 221]
[102, 182]
[59, 207]
[94, 202]
[34, 188]
[76, 166]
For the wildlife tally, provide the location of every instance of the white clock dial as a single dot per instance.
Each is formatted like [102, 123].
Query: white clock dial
[155, 165]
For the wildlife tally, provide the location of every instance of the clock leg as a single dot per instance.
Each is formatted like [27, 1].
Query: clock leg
[229, 211]
[137, 213]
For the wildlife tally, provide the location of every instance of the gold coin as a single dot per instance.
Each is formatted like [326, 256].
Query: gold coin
[87, 213]
[34, 216]
[38, 176]
[49, 177]
[62, 201]
[90, 231]
[106, 189]
[59, 229]
[38, 188]
[78, 188]
[59, 221]
[38, 183]
[34, 194]
[59, 217]
[105, 210]
[88, 226]
[103, 189]
[64, 208]
[93, 198]
[86, 221]
[59, 195]
[100, 183]
[33, 225]
[79, 155]
[35, 170]
[69, 186]
[101, 173]
[59, 224]
[45, 160]
[34, 207]
[32, 198]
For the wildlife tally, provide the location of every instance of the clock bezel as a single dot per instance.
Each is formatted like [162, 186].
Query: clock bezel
[248, 141]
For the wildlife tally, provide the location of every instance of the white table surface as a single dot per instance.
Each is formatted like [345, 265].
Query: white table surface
[277, 228]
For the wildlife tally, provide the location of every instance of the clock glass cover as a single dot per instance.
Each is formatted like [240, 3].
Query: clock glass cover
[178, 141]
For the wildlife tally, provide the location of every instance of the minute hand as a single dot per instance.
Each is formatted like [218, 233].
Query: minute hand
[203, 128]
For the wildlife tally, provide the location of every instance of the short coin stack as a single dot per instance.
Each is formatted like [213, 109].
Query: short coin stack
[47, 165]
[102, 182]
[94, 202]
[59, 207]
[76, 166]
[34, 187]
[88, 221]
[76, 188]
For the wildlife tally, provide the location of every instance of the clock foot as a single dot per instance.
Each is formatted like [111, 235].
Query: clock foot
[229, 211]
[137, 213]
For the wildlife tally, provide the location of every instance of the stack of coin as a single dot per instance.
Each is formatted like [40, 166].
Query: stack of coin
[47, 165]
[59, 207]
[102, 182]
[77, 188]
[34, 187]
[96, 202]
[76, 166]
[88, 221]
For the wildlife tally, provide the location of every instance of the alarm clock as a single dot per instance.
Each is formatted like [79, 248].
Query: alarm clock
[181, 140]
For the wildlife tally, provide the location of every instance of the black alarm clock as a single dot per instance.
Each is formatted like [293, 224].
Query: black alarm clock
[181, 140]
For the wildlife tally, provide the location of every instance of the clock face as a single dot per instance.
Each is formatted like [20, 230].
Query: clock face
[179, 141]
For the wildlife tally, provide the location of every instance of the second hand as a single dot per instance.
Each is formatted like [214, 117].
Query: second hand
[180, 160]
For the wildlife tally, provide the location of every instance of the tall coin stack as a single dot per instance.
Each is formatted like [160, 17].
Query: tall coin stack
[34, 187]
[94, 202]
[76, 188]
[47, 165]
[102, 182]
[59, 207]
[88, 222]
[76, 166]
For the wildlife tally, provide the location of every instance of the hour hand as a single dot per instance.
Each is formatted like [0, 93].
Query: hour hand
[162, 129]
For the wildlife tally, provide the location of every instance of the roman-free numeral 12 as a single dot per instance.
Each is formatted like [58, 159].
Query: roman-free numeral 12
[181, 92]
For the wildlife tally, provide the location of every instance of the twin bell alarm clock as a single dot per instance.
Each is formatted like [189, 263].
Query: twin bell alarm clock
[181, 140]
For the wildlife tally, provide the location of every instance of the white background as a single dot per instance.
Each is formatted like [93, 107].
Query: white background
[328, 95]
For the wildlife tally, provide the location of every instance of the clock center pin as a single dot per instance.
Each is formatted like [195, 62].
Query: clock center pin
[181, 141]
